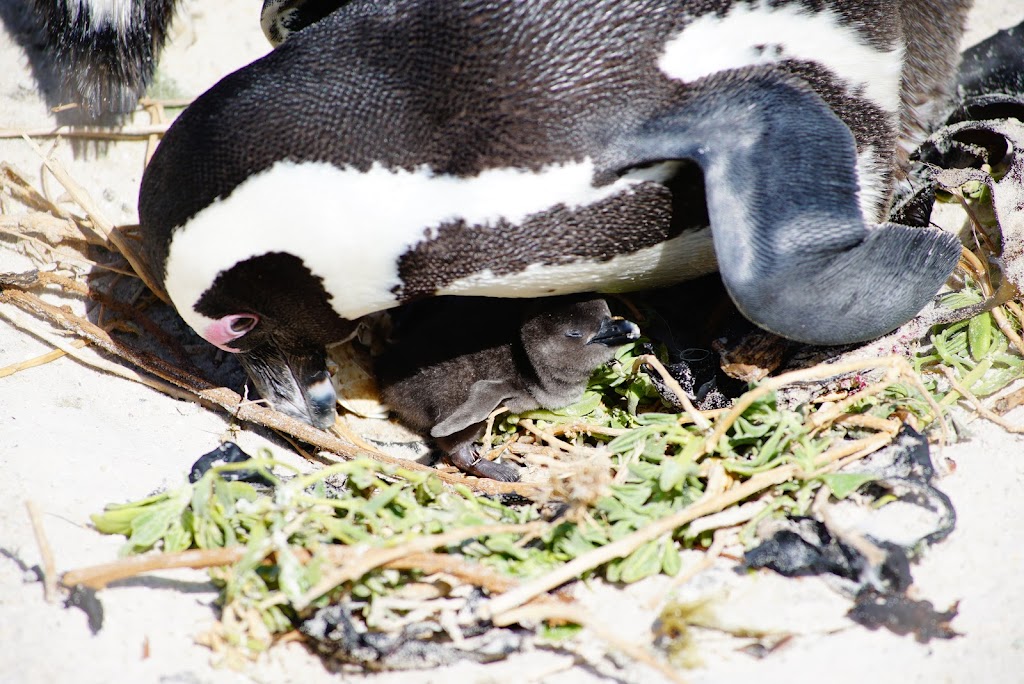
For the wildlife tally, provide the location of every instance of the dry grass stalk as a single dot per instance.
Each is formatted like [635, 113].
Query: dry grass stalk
[982, 275]
[1007, 329]
[157, 118]
[823, 372]
[45, 551]
[74, 350]
[684, 400]
[874, 554]
[40, 360]
[78, 133]
[100, 576]
[1008, 400]
[866, 420]
[100, 223]
[342, 429]
[489, 430]
[623, 547]
[848, 452]
[374, 558]
[978, 406]
[554, 441]
[827, 415]
[578, 427]
[722, 538]
[22, 191]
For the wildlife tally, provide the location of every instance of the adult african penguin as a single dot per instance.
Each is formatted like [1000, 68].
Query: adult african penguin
[404, 149]
[105, 51]
[454, 360]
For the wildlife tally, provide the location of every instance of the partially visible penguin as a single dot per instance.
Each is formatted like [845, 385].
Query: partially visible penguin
[407, 149]
[106, 51]
[455, 360]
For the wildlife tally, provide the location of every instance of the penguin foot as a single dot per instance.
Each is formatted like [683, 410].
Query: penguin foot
[859, 294]
[466, 459]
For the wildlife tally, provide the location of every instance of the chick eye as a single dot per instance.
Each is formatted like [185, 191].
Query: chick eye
[574, 334]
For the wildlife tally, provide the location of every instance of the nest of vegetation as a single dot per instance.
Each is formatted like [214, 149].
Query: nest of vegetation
[619, 483]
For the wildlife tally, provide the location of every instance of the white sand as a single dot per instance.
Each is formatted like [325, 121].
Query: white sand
[73, 439]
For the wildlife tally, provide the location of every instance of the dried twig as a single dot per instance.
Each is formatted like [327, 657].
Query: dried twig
[87, 133]
[45, 552]
[99, 221]
[374, 558]
[1007, 329]
[40, 360]
[820, 373]
[99, 576]
[829, 414]
[684, 400]
[551, 439]
[978, 406]
[73, 349]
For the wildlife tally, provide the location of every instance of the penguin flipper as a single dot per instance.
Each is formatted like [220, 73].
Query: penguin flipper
[484, 397]
[783, 196]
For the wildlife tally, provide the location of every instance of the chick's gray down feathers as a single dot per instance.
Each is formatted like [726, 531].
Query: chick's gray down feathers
[457, 360]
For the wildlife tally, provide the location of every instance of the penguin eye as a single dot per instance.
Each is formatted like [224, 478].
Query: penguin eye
[224, 331]
[242, 323]
[575, 334]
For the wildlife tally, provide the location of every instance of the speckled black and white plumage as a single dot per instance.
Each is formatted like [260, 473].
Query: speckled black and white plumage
[105, 50]
[281, 18]
[404, 149]
[455, 360]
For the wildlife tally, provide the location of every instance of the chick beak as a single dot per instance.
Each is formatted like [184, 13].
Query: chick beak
[295, 383]
[615, 332]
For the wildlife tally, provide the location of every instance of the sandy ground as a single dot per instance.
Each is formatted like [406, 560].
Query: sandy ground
[73, 439]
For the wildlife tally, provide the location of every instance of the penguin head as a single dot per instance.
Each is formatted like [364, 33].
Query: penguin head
[566, 342]
[274, 315]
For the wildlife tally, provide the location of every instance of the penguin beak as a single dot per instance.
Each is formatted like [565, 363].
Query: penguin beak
[615, 332]
[296, 384]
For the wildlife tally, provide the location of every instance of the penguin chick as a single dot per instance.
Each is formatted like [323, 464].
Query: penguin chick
[540, 354]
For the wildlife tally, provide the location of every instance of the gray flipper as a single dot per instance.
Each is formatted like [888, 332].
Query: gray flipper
[484, 397]
[793, 249]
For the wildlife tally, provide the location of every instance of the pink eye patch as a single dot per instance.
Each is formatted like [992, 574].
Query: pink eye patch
[228, 329]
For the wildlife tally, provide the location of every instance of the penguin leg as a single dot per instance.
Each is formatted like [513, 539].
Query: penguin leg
[795, 253]
[456, 433]
[295, 382]
[467, 458]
